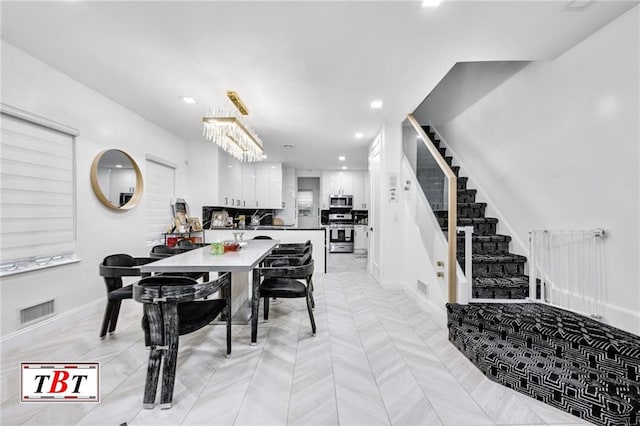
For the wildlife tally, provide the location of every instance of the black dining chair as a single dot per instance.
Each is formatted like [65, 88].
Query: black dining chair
[284, 282]
[113, 268]
[173, 306]
[291, 255]
[161, 251]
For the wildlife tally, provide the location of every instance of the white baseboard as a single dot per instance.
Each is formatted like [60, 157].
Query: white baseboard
[436, 312]
[25, 336]
[622, 318]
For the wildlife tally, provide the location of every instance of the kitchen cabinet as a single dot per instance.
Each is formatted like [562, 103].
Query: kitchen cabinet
[359, 202]
[336, 182]
[268, 185]
[346, 182]
[360, 240]
[230, 183]
[289, 212]
[248, 185]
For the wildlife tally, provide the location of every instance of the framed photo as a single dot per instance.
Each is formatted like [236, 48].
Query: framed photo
[194, 224]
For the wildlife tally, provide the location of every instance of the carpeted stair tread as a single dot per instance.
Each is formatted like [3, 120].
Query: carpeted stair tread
[569, 361]
[502, 286]
[497, 238]
[481, 225]
[496, 258]
[465, 210]
[511, 281]
[554, 379]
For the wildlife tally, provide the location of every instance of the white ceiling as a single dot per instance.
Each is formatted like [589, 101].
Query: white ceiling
[306, 70]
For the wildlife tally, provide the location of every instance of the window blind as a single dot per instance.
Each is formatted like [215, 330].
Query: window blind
[159, 192]
[37, 193]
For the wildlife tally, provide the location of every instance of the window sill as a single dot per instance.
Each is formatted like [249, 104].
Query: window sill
[34, 266]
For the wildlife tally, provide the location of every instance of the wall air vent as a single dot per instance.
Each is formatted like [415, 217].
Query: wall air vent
[288, 145]
[36, 313]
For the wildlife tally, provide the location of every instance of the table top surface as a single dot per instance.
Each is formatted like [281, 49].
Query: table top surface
[201, 259]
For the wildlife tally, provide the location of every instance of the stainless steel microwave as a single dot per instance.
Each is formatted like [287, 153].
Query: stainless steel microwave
[341, 201]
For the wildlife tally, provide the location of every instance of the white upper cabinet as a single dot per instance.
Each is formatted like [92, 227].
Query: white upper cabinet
[289, 194]
[268, 185]
[226, 182]
[248, 185]
[344, 182]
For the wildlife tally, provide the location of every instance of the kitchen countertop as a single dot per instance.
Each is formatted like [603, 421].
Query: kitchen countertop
[266, 228]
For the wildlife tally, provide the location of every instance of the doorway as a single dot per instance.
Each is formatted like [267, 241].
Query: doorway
[374, 216]
[308, 202]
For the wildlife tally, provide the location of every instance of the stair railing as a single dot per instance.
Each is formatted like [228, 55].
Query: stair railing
[566, 269]
[465, 294]
[451, 204]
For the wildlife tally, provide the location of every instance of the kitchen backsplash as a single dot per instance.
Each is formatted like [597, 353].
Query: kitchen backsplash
[208, 211]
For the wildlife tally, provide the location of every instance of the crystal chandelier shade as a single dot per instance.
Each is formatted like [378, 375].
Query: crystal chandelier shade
[233, 135]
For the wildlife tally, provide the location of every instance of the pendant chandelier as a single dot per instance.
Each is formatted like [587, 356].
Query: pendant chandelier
[231, 133]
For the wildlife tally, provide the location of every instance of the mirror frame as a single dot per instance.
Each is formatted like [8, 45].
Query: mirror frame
[137, 194]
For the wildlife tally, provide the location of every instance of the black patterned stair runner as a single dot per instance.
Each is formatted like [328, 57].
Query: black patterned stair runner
[497, 273]
[566, 360]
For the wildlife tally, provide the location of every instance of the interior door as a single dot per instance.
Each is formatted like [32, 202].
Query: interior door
[308, 202]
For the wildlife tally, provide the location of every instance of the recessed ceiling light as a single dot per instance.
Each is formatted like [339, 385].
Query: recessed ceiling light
[377, 104]
[188, 100]
[344, 167]
[359, 135]
[265, 156]
[119, 166]
[342, 158]
[431, 3]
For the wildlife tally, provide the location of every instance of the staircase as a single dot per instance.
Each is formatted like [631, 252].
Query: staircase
[497, 273]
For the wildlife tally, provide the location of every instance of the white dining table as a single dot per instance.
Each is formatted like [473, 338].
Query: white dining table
[240, 263]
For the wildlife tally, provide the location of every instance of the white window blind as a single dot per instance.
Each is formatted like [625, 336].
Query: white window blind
[159, 192]
[37, 192]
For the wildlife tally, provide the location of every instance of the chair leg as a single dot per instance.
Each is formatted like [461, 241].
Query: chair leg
[228, 301]
[106, 319]
[114, 315]
[266, 308]
[156, 340]
[310, 290]
[170, 315]
[153, 373]
[313, 321]
[255, 303]
[313, 302]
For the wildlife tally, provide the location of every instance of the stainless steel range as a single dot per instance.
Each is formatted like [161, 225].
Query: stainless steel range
[340, 232]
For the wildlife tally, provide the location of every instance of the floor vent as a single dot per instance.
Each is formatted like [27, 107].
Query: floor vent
[36, 313]
[423, 288]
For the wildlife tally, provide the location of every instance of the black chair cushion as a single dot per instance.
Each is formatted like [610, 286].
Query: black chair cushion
[282, 288]
[119, 260]
[195, 315]
[121, 293]
[290, 260]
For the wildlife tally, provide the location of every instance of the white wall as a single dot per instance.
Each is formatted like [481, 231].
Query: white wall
[31, 85]
[557, 146]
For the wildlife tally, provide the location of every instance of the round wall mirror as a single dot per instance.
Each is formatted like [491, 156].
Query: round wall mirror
[116, 179]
